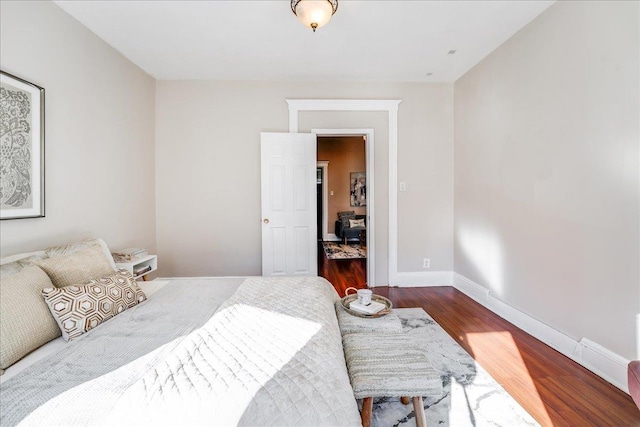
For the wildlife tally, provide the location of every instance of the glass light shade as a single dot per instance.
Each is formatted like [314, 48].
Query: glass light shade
[314, 13]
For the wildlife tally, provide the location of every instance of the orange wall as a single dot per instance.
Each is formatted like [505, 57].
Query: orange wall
[345, 155]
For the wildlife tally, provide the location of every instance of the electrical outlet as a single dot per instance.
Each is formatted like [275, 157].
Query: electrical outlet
[403, 186]
[426, 263]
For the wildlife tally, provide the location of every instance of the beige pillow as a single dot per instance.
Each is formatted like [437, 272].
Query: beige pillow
[77, 267]
[11, 268]
[79, 308]
[70, 248]
[25, 320]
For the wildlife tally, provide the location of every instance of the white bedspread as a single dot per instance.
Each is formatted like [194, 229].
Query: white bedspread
[270, 355]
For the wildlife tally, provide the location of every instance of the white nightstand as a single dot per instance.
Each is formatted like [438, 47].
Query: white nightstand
[140, 264]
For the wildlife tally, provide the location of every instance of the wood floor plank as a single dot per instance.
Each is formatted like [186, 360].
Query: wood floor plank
[555, 390]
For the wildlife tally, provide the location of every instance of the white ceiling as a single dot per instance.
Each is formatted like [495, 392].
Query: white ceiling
[263, 40]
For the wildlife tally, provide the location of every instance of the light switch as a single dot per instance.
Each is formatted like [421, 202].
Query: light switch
[331, 193]
[403, 186]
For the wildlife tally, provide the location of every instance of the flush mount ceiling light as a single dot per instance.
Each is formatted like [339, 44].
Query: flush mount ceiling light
[314, 13]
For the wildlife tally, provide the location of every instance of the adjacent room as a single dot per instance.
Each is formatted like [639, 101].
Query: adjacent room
[320, 212]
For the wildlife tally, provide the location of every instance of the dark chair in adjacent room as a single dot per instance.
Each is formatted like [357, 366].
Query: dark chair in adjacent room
[345, 228]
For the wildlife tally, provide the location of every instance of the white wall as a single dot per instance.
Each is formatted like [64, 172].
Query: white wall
[99, 132]
[208, 169]
[546, 172]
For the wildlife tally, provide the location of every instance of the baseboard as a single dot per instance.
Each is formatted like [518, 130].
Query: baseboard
[598, 359]
[331, 237]
[604, 362]
[424, 278]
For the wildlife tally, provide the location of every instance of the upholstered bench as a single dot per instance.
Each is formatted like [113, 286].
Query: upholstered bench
[389, 365]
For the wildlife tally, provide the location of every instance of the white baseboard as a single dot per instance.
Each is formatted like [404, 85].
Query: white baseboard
[424, 278]
[598, 359]
[604, 362]
[331, 237]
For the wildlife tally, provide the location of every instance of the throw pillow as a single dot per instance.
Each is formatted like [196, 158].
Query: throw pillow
[25, 320]
[356, 223]
[70, 248]
[346, 214]
[77, 267]
[80, 308]
[11, 268]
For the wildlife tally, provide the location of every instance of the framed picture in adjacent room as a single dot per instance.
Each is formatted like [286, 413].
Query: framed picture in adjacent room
[21, 148]
[358, 189]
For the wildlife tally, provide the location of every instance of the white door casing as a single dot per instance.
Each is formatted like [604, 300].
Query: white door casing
[391, 107]
[289, 234]
[324, 165]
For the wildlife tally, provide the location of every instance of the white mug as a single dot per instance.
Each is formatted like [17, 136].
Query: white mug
[364, 296]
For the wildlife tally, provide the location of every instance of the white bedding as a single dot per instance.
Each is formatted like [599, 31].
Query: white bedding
[270, 355]
[149, 288]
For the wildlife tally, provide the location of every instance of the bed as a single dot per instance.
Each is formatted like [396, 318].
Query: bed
[254, 351]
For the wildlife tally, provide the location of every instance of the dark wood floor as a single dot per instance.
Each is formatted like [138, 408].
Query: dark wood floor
[342, 273]
[555, 390]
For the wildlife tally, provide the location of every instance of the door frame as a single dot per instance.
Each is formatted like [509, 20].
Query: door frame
[324, 165]
[369, 156]
[391, 107]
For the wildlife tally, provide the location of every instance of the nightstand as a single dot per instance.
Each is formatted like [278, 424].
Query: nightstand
[141, 267]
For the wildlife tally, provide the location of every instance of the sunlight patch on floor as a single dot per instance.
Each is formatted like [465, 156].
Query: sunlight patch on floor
[483, 346]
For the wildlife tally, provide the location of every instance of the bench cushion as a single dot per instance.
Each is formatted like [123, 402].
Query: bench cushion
[349, 324]
[389, 365]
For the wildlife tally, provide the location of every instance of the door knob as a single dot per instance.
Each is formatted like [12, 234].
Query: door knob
[266, 220]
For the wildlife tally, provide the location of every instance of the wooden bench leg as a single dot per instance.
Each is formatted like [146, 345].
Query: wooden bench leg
[404, 400]
[367, 409]
[418, 408]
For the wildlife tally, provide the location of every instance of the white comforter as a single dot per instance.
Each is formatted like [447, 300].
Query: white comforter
[270, 355]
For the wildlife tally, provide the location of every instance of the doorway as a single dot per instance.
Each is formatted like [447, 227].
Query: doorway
[343, 209]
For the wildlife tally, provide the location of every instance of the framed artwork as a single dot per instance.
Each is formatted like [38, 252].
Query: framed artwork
[358, 189]
[21, 148]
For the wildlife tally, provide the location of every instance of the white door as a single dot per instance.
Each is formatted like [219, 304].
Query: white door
[289, 234]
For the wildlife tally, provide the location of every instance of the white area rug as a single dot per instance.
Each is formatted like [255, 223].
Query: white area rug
[471, 397]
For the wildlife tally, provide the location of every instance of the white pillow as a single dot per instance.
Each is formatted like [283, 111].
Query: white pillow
[18, 257]
[356, 223]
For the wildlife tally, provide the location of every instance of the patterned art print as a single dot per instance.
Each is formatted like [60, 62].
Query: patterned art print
[358, 189]
[20, 148]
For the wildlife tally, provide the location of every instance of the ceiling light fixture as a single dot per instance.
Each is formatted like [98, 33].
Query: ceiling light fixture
[314, 13]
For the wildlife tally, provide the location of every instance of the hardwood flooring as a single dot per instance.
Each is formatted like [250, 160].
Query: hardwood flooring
[555, 390]
[342, 273]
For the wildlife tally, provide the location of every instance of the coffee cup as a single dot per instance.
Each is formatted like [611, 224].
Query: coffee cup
[364, 296]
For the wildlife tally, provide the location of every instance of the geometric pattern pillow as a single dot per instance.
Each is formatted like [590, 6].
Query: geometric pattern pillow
[80, 308]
